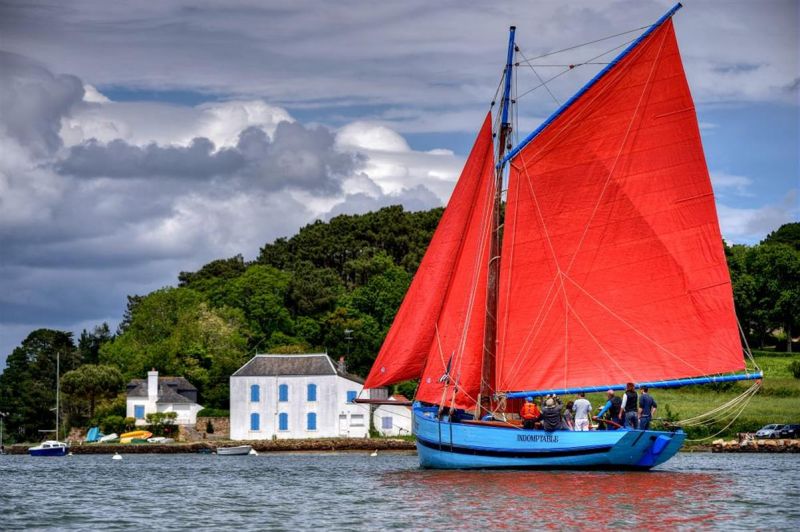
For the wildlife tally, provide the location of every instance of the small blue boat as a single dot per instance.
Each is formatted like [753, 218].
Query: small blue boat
[49, 448]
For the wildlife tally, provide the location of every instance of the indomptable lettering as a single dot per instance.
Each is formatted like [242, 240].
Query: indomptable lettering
[550, 438]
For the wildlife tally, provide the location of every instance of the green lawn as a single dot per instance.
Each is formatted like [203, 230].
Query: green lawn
[777, 402]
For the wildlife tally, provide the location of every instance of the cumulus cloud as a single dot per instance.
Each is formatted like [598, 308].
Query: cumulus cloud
[749, 225]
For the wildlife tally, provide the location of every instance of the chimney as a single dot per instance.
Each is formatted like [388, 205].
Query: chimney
[152, 384]
[341, 367]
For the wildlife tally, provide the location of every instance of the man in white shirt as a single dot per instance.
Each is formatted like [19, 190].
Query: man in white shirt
[582, 408]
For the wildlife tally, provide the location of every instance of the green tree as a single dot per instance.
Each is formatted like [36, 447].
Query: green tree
[91, 382]
[89, 343]
[777, 270]
[28, 383]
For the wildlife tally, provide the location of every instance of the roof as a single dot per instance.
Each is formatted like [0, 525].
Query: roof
[292, 366]
[169, 389]
[138, 387]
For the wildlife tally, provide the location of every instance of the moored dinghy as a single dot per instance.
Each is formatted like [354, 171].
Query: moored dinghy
[610, 270]
[234, 451]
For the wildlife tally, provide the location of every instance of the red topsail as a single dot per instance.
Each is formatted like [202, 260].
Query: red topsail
[612, 262]
[441, 318]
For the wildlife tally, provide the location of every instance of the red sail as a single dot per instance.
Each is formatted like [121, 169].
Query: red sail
[405, 351]
[612, 264]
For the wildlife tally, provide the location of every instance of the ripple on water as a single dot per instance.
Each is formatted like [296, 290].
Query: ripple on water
[354, 491]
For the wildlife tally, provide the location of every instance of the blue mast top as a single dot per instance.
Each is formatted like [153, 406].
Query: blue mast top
[591, 82]
[509, 71]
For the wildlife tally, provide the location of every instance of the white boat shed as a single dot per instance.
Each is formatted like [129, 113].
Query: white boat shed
[296, 396]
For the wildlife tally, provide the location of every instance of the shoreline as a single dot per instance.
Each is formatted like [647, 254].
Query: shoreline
[260, 446]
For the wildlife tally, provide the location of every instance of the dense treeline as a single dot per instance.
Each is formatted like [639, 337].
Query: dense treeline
[334, 286]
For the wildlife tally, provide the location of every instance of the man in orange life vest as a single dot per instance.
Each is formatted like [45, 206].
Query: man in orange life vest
[530, 413]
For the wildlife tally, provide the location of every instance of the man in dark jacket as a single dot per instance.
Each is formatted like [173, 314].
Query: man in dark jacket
[612, 408]
[551, 414]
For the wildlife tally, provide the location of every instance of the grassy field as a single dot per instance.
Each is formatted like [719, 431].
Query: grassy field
[777, 402]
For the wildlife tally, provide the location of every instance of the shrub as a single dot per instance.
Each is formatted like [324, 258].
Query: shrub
[161, 422]
[113, 424]
[213, 412]
[794, 368]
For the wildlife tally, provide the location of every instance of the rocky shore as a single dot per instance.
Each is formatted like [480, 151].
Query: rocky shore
[327, 444]
[756, 446]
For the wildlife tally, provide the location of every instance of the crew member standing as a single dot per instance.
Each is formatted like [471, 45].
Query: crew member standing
[630, 404]
[582, 407]
[647, 409]
[530, 413]
[613, 407]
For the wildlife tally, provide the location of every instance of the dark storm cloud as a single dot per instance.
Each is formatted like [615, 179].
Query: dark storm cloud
[33, 101]
[418, 198]
[296, 157]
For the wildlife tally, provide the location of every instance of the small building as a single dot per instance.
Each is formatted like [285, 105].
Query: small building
[162, 394]
[393, 420]
[296, 396]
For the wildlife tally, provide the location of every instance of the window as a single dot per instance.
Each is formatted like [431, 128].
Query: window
[311, 421]
[351, 396]
[255, 421]
[312, 393]
[255, 393]
[386, 422]
[138, 411]
[283, 393]
[357, 420]
[283, 421]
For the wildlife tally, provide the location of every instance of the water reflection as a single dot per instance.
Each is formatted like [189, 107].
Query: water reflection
[563, 499]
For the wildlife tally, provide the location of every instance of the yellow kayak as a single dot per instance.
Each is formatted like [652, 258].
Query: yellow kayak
[142, 434]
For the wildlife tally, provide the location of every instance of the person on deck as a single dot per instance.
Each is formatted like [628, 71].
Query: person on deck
[647, 409]
[551, 414]
[612, 408]
[529, 413]
[582, 408]
[566, 417]
[630, 405]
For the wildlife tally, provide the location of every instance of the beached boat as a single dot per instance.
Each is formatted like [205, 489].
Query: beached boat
[139, 434]
[109, 438]
[610, 269]
[234, 451]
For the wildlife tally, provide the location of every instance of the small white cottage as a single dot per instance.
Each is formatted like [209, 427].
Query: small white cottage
[296, 396]
[162, 394]
[393, 420]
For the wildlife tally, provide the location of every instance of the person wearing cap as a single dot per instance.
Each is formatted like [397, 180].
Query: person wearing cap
[529, 413]
[612, 408]
[551, 414]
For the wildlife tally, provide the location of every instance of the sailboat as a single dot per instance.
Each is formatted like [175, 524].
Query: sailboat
[52, 447]
[603, 265]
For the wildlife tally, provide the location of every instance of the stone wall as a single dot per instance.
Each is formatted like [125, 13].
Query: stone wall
[747, 445]
[222, 426]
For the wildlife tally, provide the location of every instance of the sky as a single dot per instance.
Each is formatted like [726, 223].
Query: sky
[141, 139]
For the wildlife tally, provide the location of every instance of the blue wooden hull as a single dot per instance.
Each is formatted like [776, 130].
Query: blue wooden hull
[442, 444]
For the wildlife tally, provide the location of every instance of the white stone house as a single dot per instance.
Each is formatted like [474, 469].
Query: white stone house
[393, 420]
[162, 394]
[296, 396]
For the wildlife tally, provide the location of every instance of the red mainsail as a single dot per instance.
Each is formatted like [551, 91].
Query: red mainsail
[612, 263]
[438, 299]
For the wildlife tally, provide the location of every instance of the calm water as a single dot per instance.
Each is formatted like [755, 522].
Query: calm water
[358, 492]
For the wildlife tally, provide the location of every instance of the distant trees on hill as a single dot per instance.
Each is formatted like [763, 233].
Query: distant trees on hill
[334, 286]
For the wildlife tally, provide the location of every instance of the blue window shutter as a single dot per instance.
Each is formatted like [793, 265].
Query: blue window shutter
[283, 421]
[351, 396]
[138, 411]
[312, 421]
[283, 392]
[255, 393]
[386, 422]
[312, 392]
[254, 421]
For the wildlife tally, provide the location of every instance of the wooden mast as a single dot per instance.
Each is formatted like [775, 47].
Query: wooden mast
[490, 328]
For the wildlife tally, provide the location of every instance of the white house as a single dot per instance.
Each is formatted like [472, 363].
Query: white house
[162, 394]
[296, 396]
[393, 420]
